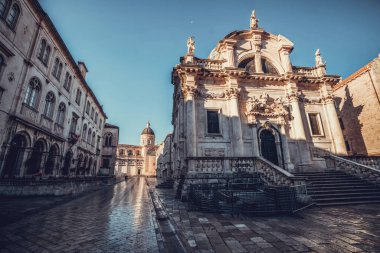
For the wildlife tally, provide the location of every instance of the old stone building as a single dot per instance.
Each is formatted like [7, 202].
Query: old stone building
[109, 151]
[51, 122]
[247, 100]
[358, 100]
[164, 158]
[134, 160]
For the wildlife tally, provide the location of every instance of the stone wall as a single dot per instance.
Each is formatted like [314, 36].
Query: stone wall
[357, 99]
[49, 188]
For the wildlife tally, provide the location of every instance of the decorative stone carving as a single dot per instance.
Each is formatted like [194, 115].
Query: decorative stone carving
[190, 45]
[219, 152]
[293, 96]
[211, 95]
[189, 90]
[262, 107]
[232, 93]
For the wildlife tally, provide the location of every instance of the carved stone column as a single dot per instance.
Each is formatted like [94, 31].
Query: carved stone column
[255, 141]
[299, 129]
[257, 46]
[285, 149]
[284, 53]
[333, 121]
[189, 95]
[236, 132]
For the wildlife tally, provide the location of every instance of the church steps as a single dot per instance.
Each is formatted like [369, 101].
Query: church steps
[334, 188]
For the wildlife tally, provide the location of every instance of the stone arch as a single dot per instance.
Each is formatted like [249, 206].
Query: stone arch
[52, 162]
[79, 163]
[270, 144]
[67, 163]
[34, 163]
[265, 55]
[15, 155]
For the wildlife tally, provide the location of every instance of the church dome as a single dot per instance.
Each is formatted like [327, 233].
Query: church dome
[147, 130]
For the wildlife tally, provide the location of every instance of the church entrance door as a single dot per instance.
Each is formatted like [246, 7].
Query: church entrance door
[268, 146]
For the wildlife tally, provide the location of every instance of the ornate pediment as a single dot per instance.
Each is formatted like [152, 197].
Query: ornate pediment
[265, 107]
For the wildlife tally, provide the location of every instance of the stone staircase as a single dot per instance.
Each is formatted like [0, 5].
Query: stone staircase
[333, 188]
[167, 184]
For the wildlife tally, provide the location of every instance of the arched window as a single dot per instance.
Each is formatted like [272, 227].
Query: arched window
[137, 153]
[49, 104]
[41, 52]
[67, 83]
[84, 132]
[13, 14]
[93, 139]
[47, 55]
[3, 7]
[89, 136]
[130, 153]
[61, 114]
[59, 71]
[33, 93]
[121, 152]
[55, 67]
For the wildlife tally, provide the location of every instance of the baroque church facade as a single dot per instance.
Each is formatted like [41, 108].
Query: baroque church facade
[248, 100]
[138, 160]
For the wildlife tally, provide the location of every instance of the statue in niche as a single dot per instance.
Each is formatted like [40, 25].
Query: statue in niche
[190, 45]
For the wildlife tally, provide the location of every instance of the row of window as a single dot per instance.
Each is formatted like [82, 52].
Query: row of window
[108, 140]
[214, 128]
[9, 12]
[93, 113]
[32, 97]
[130, 152]
[88, 136]
[44, 54]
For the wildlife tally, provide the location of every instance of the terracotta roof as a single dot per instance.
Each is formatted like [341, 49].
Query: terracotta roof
[353, 76]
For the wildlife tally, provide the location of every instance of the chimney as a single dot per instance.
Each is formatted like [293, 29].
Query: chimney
[82, 68]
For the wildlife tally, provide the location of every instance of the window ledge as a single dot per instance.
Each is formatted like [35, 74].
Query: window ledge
[30, 107]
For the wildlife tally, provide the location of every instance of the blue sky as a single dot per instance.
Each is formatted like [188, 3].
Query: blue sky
[131, 46]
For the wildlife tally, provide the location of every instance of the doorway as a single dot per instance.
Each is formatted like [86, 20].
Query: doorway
[268, 146]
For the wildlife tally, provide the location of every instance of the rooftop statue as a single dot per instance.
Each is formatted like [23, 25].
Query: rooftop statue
[190, 45]
[318, 59]
[254, 20]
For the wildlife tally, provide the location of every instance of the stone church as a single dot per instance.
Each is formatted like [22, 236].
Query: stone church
[134, 160]
[247, 100]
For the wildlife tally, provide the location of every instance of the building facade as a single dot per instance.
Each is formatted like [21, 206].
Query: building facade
[358, 101]
[133, 160]
[164, 158]
[51, 122]
[248, 100]
[109, 151]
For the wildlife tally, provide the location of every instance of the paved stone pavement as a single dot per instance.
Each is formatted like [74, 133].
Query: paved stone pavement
[117, 219]
[338, 229]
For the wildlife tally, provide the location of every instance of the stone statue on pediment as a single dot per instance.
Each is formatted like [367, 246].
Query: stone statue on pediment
[254, 20]
[318, 59]
[190, 45]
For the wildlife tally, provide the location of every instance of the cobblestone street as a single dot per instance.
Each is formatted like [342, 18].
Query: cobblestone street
[118, 219]
[333, 229]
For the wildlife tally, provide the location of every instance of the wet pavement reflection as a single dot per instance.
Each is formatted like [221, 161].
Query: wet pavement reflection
[118, 219]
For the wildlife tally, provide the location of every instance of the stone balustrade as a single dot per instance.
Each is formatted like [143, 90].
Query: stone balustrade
[209, 64]
[219, 166]
[371, 161]
[367, 173]
[310, 72]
